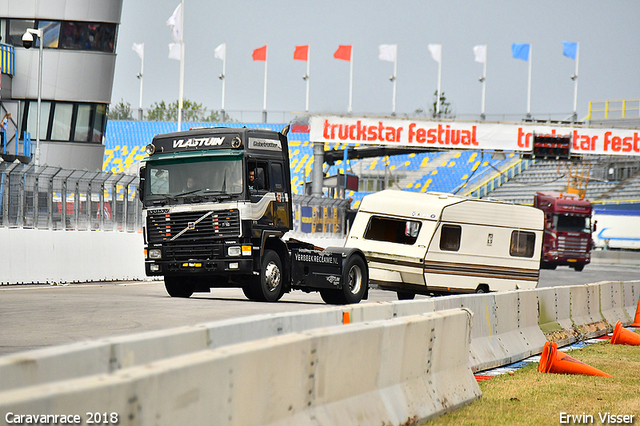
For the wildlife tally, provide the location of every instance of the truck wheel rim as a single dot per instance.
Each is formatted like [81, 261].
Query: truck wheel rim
[355, 279]
[272, 276]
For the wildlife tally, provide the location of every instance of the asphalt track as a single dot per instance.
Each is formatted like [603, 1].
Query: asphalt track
[34, 316]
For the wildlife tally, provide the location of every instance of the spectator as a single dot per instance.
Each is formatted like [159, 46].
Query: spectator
[3, 129]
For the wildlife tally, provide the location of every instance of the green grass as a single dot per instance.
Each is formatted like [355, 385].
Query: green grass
[531, 398]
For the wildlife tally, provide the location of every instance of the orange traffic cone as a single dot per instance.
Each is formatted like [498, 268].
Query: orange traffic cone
[553, 361]
[636, 321]
[622, 336]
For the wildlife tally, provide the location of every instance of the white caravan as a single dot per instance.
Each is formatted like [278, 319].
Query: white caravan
[435, 243]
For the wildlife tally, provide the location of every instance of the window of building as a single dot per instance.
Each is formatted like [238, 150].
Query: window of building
[70, 35]
[61, 126]
[522, 244]
[392, 230]
[450, 236]
[65, 121]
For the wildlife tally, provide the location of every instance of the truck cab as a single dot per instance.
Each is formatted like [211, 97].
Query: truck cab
[216, 206]
[568, 230]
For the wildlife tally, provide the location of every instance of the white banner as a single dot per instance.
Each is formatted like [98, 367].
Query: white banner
[468, 135]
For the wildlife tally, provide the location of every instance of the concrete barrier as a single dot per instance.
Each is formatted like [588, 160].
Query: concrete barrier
[612, 303]
[631, 290]
[404, 370]
[585, 311]
[555, 315]
[47, 256]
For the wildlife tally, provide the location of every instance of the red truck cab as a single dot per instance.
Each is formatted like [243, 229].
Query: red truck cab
[567, 235]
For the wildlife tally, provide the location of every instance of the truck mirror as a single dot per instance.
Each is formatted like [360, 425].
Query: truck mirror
[141, 185]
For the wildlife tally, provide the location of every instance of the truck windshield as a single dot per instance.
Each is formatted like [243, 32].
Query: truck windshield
[202, 176]
[568, 223]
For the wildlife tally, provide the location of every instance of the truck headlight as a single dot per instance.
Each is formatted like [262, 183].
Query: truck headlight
[234, 251]
[155, 254]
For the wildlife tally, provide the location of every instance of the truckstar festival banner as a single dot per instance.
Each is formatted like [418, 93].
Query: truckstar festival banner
[469, 135]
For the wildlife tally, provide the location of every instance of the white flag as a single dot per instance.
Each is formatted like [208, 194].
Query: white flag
[388, 52]
[174, 51]
[175, 22]
[139, 49]
[480, 52]
[436, 52]
[220, 52]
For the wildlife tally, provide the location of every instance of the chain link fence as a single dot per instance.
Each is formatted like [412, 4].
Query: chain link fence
[45, 197]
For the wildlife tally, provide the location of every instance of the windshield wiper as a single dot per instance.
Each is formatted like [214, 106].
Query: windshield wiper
[189, 193]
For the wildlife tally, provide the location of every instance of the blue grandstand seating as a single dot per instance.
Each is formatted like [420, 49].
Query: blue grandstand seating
[125, 142]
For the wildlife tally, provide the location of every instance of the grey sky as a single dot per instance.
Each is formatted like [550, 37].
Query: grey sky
[608, 33]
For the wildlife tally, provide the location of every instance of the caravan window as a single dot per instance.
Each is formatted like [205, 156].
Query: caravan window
[522, 244]
[450, 237]
[392, 230]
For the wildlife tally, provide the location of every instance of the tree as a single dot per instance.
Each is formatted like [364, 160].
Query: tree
[445, 107]
[121, 111]
[191, 111]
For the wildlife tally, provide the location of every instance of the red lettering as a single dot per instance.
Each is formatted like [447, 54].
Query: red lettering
[362, 132]
[585, 143]
[525, 143]
[325, 131]
[593, 142]
[473, 136]
[352, 130]
[421, 135]
[575, 140]
[466, 137]
[626, 143]
[411, 131]
[398, 133]
[616, 143]
[431, 136]
[455, 137]
[371, 133]
[333, 131]
[636, 141]
[607, 141]
[390, 134]
[440, 132]
[380, 129]
[343, 132]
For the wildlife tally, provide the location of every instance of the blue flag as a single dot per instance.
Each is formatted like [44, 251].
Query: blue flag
[520, 51]
[569, 49]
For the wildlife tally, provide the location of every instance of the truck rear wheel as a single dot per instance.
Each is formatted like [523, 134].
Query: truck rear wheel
[270, 286]
[354, 284]
[178, 287]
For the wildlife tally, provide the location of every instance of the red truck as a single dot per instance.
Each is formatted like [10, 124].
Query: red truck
[567, 230]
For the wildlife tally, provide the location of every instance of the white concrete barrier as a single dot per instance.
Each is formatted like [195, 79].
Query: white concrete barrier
[631, 291]
[555, 315]
[47, 256]
[403, 370]
[612, 303]
[585, 311]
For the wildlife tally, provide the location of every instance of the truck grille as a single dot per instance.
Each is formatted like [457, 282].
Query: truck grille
[569, 244]
[181, 253]
[162, 228]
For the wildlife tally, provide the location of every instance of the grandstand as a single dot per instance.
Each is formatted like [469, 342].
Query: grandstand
[446, 171]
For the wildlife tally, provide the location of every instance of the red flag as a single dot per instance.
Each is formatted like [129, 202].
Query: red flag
[301, 53]
[260, 54]
[343, 52]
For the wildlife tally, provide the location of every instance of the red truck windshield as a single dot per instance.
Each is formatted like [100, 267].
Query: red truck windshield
[568, 223]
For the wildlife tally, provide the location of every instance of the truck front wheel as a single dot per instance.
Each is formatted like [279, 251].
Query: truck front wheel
[178, 287]
[270, 286]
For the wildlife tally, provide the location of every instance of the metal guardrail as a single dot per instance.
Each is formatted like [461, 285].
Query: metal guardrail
[45, 197]
[625, 108]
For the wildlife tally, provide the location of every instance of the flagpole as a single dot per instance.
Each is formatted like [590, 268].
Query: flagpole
[351, 81]
[224, 76]
[575, 87]
[484, 82]
[140, 113]
[529, 84]
[439, 81]
[395, 70]
[307, 76]
[264, 104]
[181, 89]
